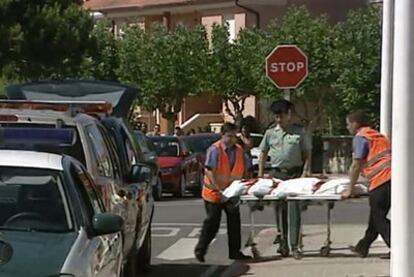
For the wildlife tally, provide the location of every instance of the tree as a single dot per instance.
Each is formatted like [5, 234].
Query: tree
[167, 65]
[43, 38]
[356, 61]
[103, 62]
[235, 67]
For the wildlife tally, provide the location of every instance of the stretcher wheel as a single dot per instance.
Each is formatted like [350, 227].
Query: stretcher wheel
[325, 251]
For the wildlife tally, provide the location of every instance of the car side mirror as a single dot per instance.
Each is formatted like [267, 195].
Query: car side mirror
[106, 223]
[140, 173]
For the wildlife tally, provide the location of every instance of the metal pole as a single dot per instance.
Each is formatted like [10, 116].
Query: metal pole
[286, 94]
[402, 216]
[387, 66]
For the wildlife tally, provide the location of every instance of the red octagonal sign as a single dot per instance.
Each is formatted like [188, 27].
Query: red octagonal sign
[287, 66]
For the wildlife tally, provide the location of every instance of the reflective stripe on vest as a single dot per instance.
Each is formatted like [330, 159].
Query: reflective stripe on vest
[224, 174]
[377, 167]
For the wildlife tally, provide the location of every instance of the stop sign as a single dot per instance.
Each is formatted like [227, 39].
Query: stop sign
[287, 66]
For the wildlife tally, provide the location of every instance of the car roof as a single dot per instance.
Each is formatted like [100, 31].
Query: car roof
[32, 159]
[166, 138]
[46, 116]
[203, 135]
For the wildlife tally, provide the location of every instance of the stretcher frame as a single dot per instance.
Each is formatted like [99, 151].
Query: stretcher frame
[254, 202]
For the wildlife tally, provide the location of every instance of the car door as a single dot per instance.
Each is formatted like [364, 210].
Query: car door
[141, 191]
[104, 253]
[125, 192]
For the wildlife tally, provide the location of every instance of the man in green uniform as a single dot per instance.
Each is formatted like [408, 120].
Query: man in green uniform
[287, 147]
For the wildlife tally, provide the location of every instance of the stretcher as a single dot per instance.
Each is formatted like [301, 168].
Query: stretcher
[255, 204]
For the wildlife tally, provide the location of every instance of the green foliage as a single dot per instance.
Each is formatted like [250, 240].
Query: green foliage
[104, 60]
[43, 38]
[166, 65]
[235, 66]
[356, 62]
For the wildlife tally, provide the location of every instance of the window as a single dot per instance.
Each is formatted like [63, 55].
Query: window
[91, 197]
[100, 151]
[231, 23]
[33, 199]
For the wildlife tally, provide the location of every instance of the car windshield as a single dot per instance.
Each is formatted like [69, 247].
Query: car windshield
[166, 147]
[200, 144]
[32, 199]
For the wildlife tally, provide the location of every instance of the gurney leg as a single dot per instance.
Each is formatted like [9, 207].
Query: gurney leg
[326, 249]
[250, 241]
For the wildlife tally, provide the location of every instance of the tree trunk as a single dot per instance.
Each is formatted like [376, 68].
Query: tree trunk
[170, 117]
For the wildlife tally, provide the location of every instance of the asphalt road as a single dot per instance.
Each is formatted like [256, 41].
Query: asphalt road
[177, 224]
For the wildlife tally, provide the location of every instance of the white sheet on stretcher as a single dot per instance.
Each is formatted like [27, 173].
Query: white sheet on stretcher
[338, 186]
[296, 186]
[259, 188]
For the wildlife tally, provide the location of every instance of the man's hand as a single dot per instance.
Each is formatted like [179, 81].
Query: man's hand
[348, 193]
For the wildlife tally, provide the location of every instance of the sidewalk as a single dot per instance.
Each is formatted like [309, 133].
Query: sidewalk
[341, 262]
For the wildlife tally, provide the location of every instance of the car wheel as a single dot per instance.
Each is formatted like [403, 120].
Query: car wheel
[157, 192]
[182, 188]
[144, 254]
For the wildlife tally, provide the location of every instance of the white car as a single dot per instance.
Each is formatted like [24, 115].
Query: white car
[53, 221]
[255, 152]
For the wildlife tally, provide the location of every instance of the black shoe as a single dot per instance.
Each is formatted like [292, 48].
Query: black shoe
[297, 254]
[240, 256]
[199, 256]
[386, 256]
[278, 240]
[361, 252]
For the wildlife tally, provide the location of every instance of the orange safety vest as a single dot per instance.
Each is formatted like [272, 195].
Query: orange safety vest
[377, 167]
[224, 174]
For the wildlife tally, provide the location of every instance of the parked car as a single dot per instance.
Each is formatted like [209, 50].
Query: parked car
[180, 169]
[255, 152]
[151, 158]
[199, 143]
[109, 149]
[53, 221]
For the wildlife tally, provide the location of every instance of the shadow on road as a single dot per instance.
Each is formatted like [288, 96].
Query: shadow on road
[194, 270]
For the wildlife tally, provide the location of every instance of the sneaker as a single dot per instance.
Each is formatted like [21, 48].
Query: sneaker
[297, 254]
[240, 256]
[361, 252]
[199, 256]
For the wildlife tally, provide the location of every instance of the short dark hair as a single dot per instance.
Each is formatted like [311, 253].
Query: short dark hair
[281, 106]
[228, 127]
[359, 117]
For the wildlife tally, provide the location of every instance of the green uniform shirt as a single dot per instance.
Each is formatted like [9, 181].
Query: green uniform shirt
[285, 148]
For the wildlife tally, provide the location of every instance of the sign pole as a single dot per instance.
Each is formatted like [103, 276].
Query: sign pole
[286, 94]
[402, 216]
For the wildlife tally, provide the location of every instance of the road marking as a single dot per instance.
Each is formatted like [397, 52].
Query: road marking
[197, 231]
[164, 232]
[181, 250]
[199, 225]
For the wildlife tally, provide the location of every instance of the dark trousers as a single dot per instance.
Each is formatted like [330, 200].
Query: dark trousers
[211, 226]
[288, 215]
[379, 224]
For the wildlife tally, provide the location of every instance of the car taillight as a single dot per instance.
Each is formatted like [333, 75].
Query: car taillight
[9, 118]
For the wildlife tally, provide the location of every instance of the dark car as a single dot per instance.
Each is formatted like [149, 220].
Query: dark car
[151, 158]
[199, 143]
[180, 169]
[117, 156]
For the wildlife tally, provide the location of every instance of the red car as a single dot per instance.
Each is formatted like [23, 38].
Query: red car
[180, 168]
